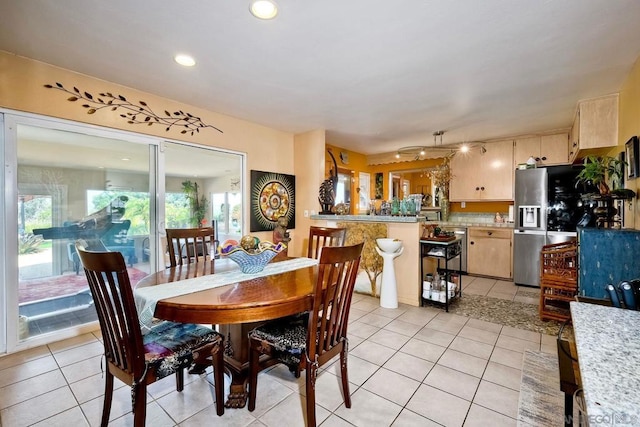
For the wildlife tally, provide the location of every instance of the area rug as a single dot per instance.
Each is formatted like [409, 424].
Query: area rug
[505, 312]
[66, 284]
[541, 402]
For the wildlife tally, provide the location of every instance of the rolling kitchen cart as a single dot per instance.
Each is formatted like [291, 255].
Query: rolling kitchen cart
[442, 249]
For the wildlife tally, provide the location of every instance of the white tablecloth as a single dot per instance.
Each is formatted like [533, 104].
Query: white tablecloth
[147, 297]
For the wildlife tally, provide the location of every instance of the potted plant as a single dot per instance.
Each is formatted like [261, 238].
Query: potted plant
[197, 205]
[598, 169]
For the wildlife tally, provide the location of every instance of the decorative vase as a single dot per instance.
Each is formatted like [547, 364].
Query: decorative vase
[444, 208]
[252, 262]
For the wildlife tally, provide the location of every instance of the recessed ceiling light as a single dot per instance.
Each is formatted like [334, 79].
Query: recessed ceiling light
[185, 60]
[125, 159]
[263, 9]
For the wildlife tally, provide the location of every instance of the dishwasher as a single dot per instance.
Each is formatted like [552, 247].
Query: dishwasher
[459, 263]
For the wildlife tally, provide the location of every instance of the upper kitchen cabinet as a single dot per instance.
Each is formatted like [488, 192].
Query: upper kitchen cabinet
[483, 174]
[548, 150]
[595, 127]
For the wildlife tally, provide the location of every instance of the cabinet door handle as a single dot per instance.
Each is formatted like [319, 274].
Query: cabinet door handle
[477, 188]
[489, 233]
[537, 159]
[544, 158]
[472, 242]
[482, 188]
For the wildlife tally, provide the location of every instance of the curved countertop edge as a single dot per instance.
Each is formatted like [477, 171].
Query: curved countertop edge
[411, 219]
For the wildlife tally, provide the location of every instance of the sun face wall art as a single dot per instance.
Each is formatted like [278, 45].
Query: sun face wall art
[272, 196]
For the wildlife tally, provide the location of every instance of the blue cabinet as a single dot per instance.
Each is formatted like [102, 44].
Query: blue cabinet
[606, 256]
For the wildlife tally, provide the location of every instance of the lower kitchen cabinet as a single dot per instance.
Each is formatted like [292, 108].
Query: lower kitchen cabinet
[489, 252]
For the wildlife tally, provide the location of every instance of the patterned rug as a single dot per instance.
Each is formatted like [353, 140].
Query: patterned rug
[505, 312]
[66, 284]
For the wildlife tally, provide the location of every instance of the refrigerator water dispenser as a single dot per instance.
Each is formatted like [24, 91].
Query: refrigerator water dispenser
[529, 216]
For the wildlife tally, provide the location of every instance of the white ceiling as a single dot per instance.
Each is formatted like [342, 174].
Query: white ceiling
[376, 75]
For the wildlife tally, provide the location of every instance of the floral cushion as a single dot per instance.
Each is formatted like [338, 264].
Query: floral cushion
[169, 346]
[287, 337]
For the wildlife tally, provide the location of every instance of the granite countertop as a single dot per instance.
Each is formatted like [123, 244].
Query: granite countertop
[369, 218]
[413, 219]
[472, 224]
[608, 344]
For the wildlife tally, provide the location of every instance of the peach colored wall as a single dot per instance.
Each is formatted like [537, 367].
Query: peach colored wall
[22, 88]
[308, 161]
[628, 126]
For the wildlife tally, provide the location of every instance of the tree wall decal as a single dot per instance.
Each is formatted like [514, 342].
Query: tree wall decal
[139, 113]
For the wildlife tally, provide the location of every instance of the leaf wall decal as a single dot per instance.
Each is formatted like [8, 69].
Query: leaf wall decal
[188, 121]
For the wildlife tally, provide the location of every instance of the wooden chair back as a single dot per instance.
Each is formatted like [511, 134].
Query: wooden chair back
[320, 237]
[113, 298]
[328, 320]
[187, 245]
[124, 345]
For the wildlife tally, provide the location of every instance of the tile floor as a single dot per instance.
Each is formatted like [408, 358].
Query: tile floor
[409, 366]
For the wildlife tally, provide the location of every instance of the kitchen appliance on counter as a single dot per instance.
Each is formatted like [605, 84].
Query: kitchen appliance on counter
[547, 207]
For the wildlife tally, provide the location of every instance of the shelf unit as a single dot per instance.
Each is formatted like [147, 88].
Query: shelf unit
[441, 251]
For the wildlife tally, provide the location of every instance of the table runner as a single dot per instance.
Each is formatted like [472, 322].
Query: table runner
[147, 297]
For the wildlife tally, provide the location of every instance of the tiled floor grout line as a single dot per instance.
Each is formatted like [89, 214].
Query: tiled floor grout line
[438, 321]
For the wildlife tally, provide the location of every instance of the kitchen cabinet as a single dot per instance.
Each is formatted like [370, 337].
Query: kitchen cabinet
[483, 174]
[489, 252]
[548, 150]
[595, 127]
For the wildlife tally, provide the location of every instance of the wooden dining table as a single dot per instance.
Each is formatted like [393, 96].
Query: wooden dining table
[236, 309]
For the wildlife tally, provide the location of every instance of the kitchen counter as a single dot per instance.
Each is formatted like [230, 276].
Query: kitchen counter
[471, 224]
[608, 344]
[369, 218]
[412, 219]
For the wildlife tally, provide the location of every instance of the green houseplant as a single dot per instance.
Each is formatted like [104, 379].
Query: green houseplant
[197, 205]
[598, 169]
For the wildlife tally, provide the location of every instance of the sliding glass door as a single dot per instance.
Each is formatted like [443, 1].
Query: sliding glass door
[67, 182]
[210, 177]
[71, 185]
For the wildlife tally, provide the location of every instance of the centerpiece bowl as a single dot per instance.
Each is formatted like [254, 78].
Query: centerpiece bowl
[255, 260]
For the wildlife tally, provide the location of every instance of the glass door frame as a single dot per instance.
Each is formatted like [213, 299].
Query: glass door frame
[9, 341]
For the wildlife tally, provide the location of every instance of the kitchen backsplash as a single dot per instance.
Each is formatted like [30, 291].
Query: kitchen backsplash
[476, 218]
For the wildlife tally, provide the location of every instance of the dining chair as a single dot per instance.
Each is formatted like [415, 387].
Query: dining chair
[310, 340]
[187, 245]
[324, 236]
[136, 359]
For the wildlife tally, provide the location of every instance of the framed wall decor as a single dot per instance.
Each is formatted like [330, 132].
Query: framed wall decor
[364, 194]
[379, 188]
[272, 196]
[631, 153]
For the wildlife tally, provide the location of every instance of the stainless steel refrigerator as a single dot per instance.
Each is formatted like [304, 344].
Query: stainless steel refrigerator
[530, 228]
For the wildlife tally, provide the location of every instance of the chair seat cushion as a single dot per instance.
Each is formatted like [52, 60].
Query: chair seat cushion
[169, 346]
[287, 337]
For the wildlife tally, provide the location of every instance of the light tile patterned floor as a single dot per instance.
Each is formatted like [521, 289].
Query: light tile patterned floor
[410, 366]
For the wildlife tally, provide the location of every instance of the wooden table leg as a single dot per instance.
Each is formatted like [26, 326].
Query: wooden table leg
[237, 361]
